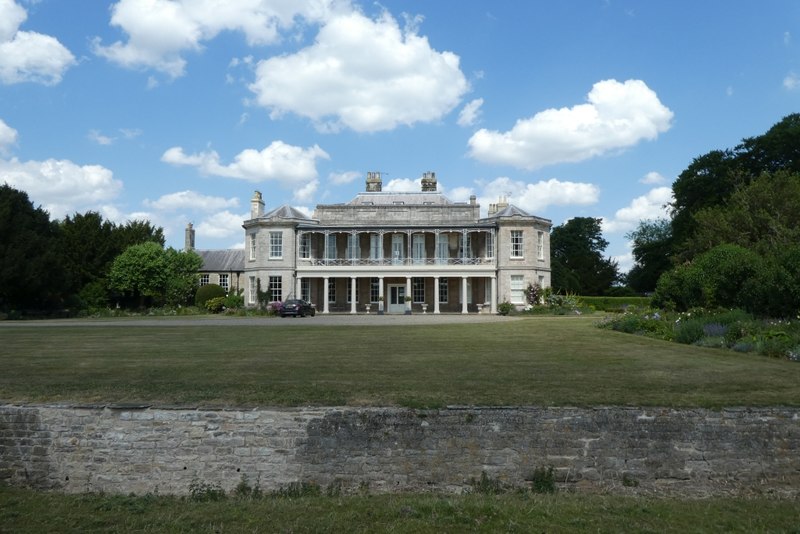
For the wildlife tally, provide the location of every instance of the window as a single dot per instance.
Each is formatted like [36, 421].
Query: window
[305, 246]
[332, 290]
[490, 244]
[353, 247]
[443, 285]
[540, 245]
[253, 293]
[374, 289]
[330, 247]
[375, 247]
[224, 282]
[442, 252]
[465, 249]
[516, 243]
[275, 288]
[252, 246]
[305, 289]
[517, 289]
[418, 289]
[418, 248]
[203, 279]
[275, 245]
[350, 291]
[397, 249]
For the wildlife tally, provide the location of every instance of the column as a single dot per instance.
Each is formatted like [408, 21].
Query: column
[464, 294]
[408, 295]
[298, 288]
[435, 294]
[353, 303]
[381, 302]
[494, 295]
[325, 292]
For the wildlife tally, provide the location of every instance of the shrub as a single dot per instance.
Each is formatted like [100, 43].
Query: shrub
[216, 304]
[235, 299]
[206, 292]
[504, 308]
[689, 331]
[543, 480]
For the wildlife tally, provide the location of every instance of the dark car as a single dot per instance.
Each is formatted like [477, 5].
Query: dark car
[298, 308]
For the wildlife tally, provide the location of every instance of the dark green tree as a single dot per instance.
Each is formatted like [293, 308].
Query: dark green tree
[651, 247]
[30, 273]
[577, 248]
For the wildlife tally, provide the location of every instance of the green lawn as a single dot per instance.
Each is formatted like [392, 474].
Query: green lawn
[533, 361]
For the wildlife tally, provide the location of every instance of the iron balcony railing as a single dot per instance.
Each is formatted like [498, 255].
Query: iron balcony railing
[344, 262]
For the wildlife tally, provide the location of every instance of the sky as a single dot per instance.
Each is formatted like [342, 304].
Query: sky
[176, 111]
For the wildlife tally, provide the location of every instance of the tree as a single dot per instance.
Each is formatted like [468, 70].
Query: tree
[578, 263]
[652, 246]
[148, 272]
[29, 254]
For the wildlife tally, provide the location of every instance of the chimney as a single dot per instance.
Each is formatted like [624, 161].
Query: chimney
[428, 182]
[256, 205]
[374, 184]
[188, 242]
[502, 203]
[473, 200]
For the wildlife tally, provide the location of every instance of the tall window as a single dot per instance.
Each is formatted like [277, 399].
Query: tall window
[374, 289]
[490, 244]
[332, 290]
[397, 249]
[330, 247]
[517, 289]
[252, 238]
[418, 248]
[516, 243]
[276, 245]
[353, 247]
[224, 282]
[540, 245]
[442, 252]
[465, 250]
[418, 289]
[374, 247]
[253, 290]
[203, 279]
[443, 285]
[305, 246]
[305, 289]
[275, 288]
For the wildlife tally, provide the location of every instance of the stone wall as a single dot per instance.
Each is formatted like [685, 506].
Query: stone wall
[143, 449]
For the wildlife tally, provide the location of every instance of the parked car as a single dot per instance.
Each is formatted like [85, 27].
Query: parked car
[297, 308]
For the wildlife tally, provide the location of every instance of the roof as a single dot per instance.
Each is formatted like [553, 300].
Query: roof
[390, 198]
[510, 211]
[286, 212]
[228, 260]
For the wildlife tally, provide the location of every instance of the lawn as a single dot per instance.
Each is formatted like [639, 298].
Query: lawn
[533, 361]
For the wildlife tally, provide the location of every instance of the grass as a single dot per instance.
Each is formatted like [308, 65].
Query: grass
[24, 511]
[533, 361]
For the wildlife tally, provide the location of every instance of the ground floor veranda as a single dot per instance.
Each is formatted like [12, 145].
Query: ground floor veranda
[390, 293]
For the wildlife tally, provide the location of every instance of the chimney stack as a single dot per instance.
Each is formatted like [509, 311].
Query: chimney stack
[188, 243]
[256, 205]
[428, 182]
[374, 183]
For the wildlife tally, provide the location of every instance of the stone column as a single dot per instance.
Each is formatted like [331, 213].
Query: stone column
[353, 303]
[408, 295]
[436, 294]
[298, 288]
[494, 295]
[464, 294]
[325, 290]
[381, 300]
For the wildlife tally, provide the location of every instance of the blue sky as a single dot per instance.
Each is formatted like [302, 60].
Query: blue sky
[177, 110]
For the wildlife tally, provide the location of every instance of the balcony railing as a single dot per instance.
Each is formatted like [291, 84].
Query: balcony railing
[410, 262]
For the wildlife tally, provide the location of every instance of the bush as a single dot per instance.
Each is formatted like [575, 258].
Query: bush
[689, 331]
[235, 299]
[216, 304]
[207, 292]
[504, 308]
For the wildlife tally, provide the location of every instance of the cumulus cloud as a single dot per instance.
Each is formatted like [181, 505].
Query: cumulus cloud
[363, 74]
[29, 56]
[536, 197]
[616, 116]
[470, 113]
[191, 200]
[8, 136]
[279, 162]
[791, 81]
[223, 224]
[652, 178]
[61, 186]
[403, 185]
[341, 178]
[653, 205]
[160, 32]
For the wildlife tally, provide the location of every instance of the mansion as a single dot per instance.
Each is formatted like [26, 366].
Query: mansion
[386, 252]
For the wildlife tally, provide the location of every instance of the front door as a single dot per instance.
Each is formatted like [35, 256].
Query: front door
[397, 298]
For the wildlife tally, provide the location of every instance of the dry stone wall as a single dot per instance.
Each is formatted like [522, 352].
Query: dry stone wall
[143, 449]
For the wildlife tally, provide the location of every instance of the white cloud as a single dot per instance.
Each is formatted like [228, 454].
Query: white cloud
[61, 186]
[470, 113]
[191, 200]
[403, 185]
[29, 56]
[279, 162]
[160, 32]
[535, 197]
[791, 82]
[652, 178]
[341, 178]
[653, 205]
[8, 136]
[306, 192]
[617, 116]
[363, 74]
[100, 139]
[223, 224]
[624, 261]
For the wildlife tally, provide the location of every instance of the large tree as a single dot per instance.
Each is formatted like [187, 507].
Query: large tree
[577, 255]
[30, 274]
[651, 247]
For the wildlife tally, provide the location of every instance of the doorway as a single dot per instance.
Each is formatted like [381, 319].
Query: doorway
[397, 298]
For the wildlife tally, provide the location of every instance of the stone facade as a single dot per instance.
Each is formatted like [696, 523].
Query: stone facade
[142, 449]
